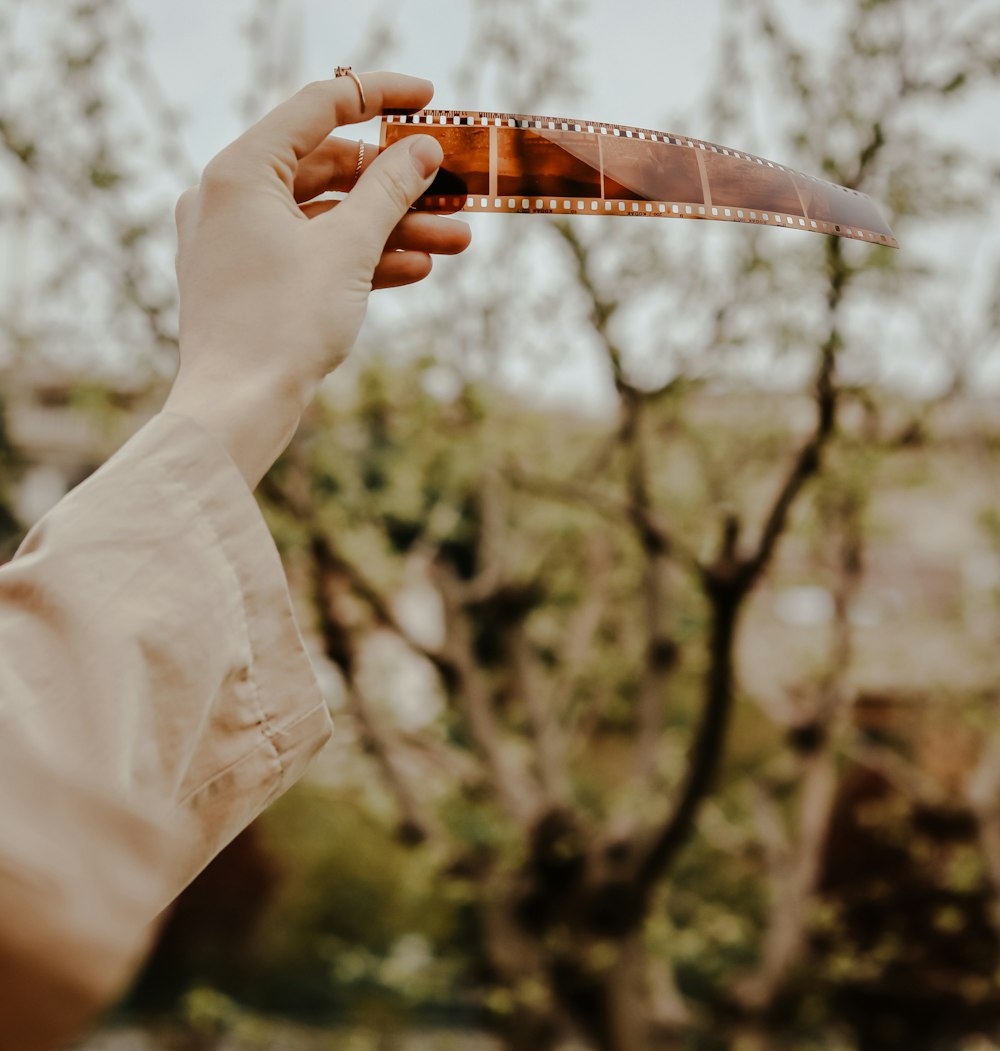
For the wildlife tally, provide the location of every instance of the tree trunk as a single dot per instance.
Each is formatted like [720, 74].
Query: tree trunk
[793, 883]
[628, 1020]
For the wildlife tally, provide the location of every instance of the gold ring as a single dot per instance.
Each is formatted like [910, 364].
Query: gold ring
[361, 159]
[346, 71]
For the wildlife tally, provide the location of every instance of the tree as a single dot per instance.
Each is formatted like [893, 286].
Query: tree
[563, 649]
[628, 880]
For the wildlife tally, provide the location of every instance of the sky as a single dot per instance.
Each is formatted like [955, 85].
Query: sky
[642, 63]
[200, 54]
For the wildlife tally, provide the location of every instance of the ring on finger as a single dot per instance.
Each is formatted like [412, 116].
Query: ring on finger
[361, 160]
[346, 71]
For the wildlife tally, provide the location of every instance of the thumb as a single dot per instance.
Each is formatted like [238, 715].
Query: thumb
[389, 186]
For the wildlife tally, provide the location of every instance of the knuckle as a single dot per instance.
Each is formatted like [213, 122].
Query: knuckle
[318, 88]
[185, 203]
[223, 171]
[318, 93]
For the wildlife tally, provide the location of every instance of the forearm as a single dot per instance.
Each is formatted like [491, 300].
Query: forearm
[155, 696]
[253, 417]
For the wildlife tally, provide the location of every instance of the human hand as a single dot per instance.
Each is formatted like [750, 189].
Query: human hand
[273, 289]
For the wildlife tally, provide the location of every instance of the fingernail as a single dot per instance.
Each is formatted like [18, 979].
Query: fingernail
[427, 154]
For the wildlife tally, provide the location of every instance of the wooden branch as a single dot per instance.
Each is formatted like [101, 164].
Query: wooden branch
[982, 792]
[794, 862]
[809, 459]
[834, 697]
[419, 824]
[454, 663]
[491, 574]
[602, 310]
[660, 657]
[794, 873]
[418, 821]
[619, 512]
[726, 595]
[546, 732]
[706, 751]
[579, 634]
[728, 582]
[459, 766]
[467, 686]
[654, 542]
[667, 1007]
[659, 663]
[299, 507]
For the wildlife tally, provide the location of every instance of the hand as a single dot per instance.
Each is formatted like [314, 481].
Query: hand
[273, 289]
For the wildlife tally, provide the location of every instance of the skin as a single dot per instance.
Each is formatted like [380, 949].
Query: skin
[273, 284]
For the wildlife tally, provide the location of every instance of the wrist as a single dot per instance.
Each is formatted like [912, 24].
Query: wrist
[254, 419]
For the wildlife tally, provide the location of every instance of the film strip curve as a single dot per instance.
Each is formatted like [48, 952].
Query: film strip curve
[511, 162]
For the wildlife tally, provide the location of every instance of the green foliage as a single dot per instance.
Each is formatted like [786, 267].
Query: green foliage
[355, 929]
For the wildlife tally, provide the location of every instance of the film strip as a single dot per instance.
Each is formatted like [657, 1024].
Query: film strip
[513, 162]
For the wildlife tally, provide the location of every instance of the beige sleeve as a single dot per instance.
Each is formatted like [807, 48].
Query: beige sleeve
[155, 696]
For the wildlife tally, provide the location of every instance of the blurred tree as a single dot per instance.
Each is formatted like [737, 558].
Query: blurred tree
[580, 588]
[573, 642]
[88, 174]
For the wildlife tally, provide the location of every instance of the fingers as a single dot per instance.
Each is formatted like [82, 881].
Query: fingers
[302, 122]
[430, 233]
[416, 231]
[331, 166]
[385, 191]
[401, 268]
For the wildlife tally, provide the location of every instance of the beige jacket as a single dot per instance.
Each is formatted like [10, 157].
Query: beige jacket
[155, 696]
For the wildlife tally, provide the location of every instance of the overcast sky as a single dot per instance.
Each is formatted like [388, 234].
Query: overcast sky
[642, 63]
[642, 60]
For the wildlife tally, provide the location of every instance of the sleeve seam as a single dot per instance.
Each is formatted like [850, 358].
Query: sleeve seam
[263, 720]
[264, 743]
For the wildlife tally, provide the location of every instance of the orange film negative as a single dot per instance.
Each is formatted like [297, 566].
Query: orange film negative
[513, 162]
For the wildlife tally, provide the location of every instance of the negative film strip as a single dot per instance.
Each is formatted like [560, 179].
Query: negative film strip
[513, 162]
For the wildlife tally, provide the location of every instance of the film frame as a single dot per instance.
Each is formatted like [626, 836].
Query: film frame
[523, 163]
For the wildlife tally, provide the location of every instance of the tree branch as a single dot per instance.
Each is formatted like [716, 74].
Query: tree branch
[706, 751]
[491, 575]
[654, 542]
[294, 501]
[466, 685]
[661, 654]
[794, 871]
[418, 823]
[582, 628]
[546, 732]
[809, 459]
[619, 512]
[727, 583]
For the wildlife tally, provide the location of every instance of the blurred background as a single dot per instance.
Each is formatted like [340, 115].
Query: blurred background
[652, 570]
